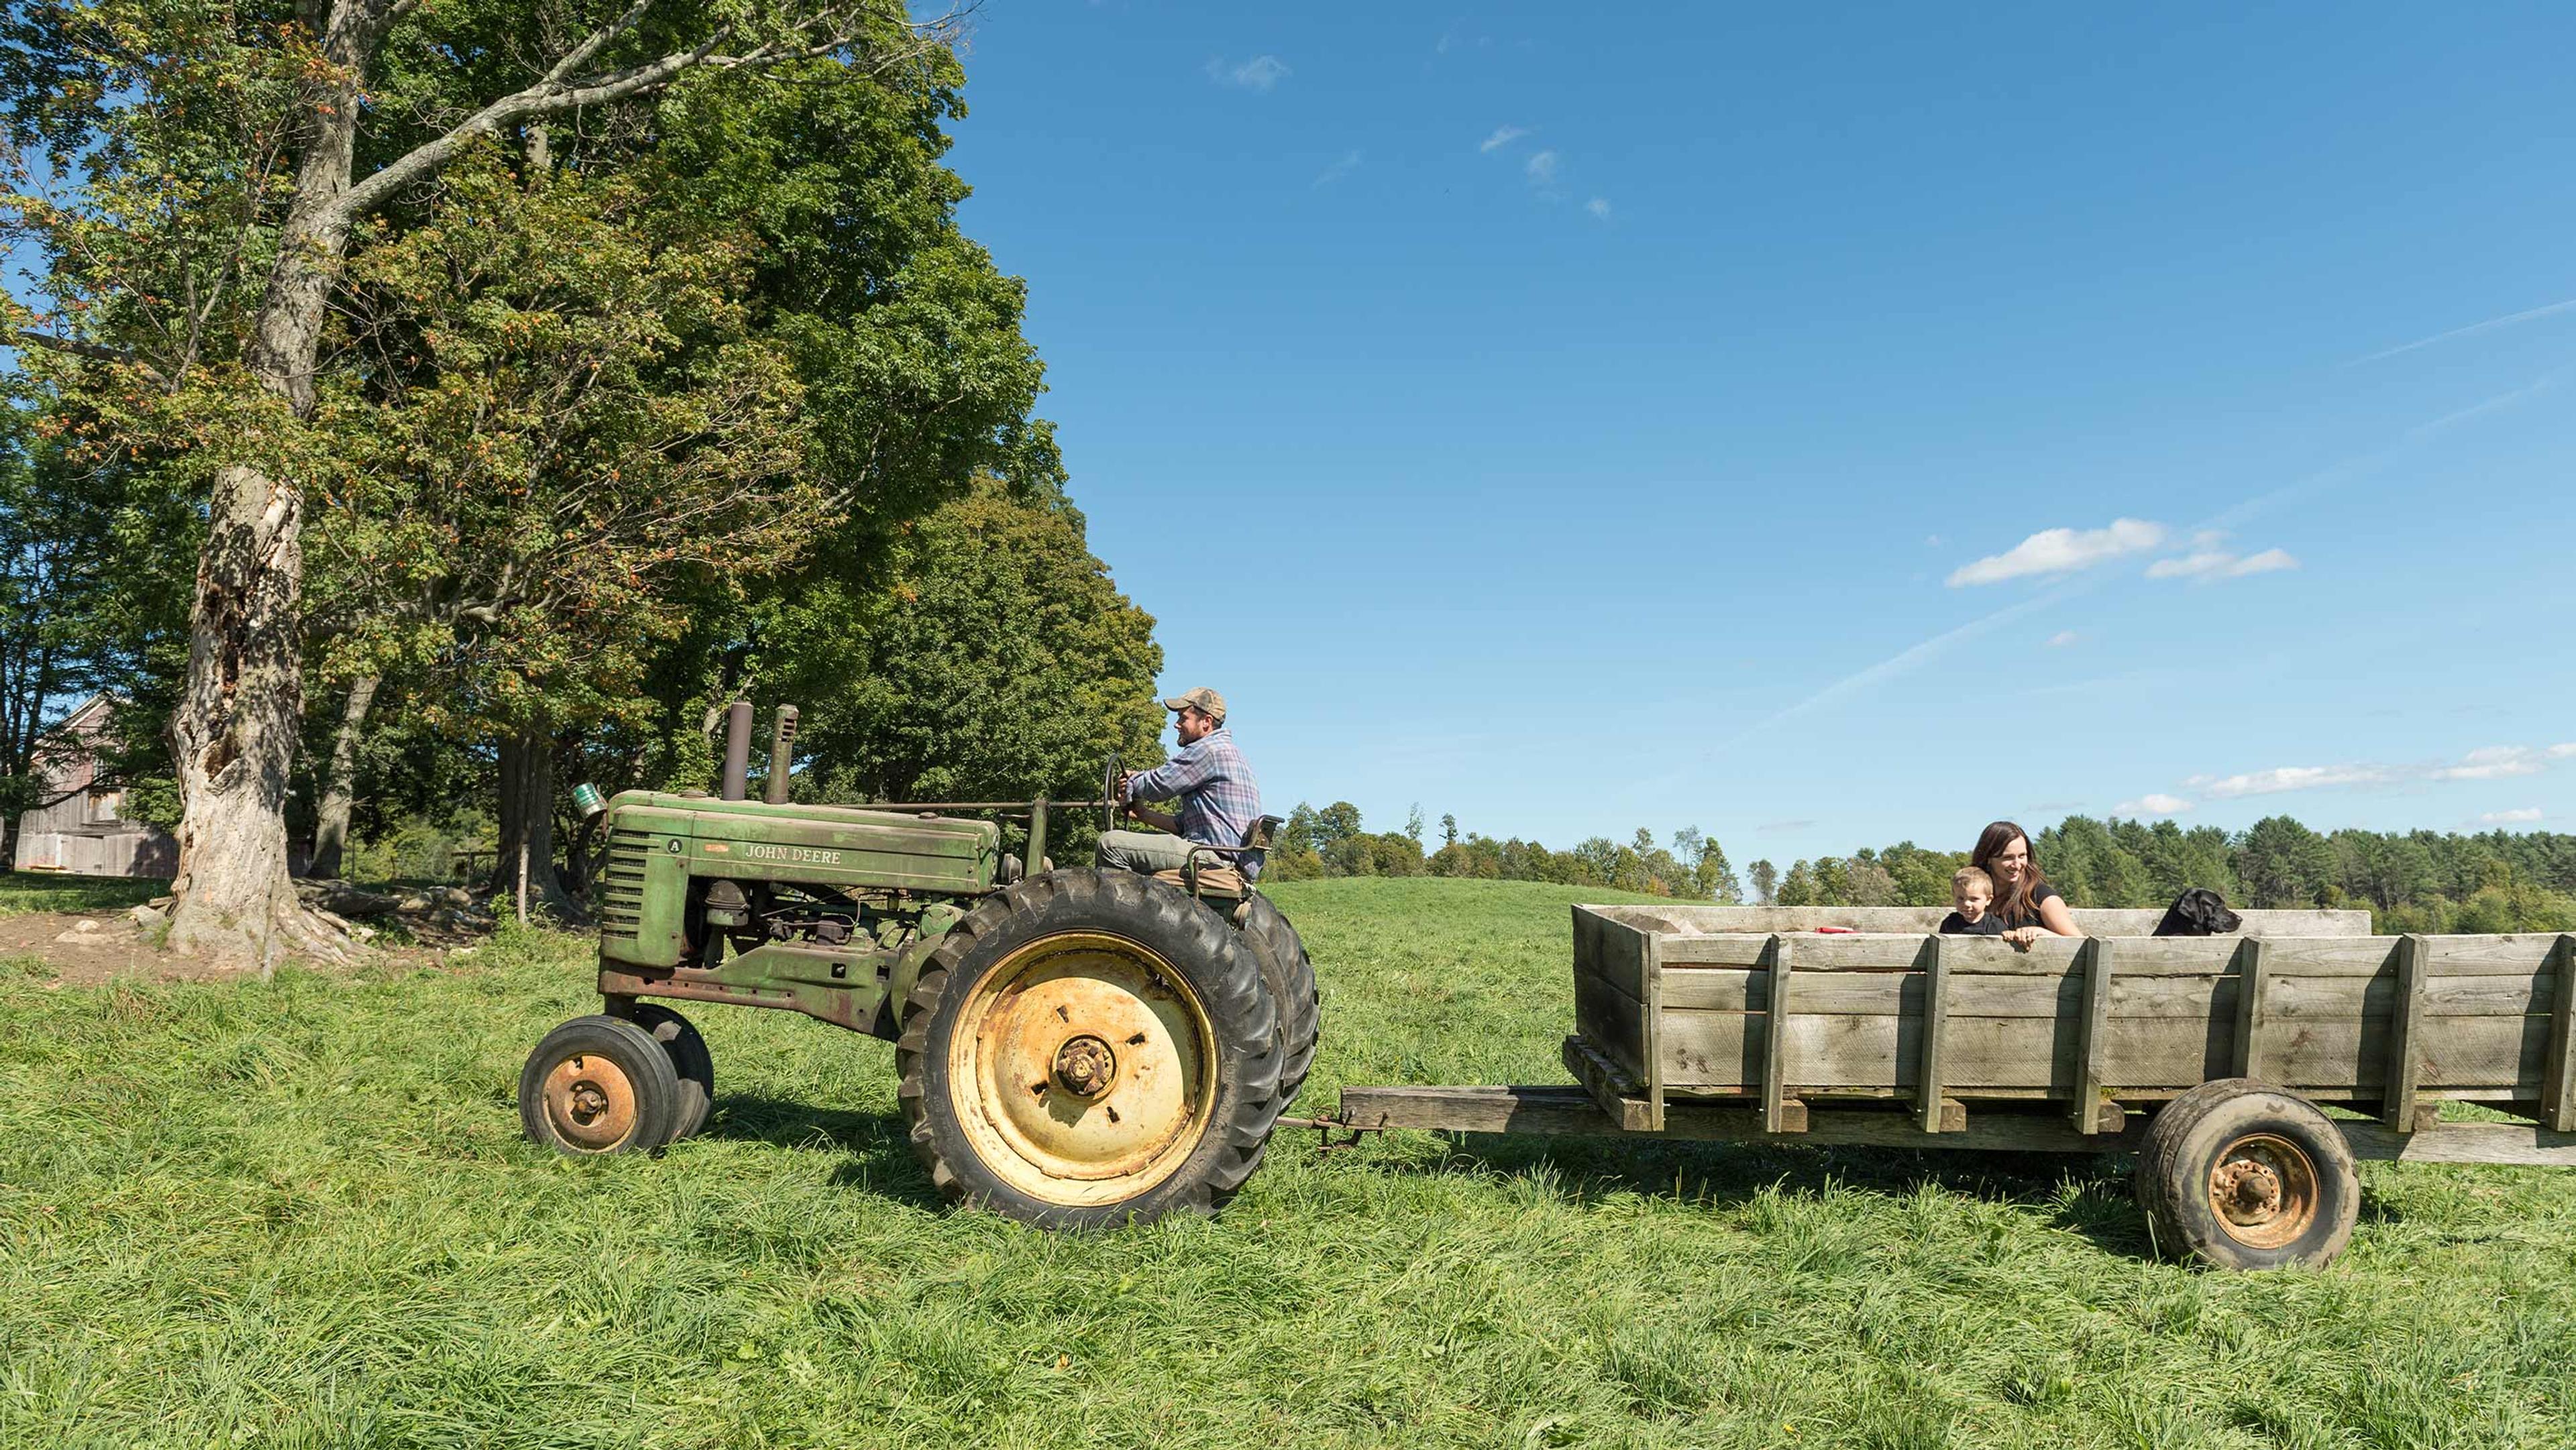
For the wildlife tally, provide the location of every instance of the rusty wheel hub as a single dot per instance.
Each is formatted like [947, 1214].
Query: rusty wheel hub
[590, 1102]
[2263, 1189]
[2247, 1192]
[1085, 1065]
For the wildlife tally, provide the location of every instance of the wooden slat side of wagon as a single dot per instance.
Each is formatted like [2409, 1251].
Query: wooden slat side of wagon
[2211, 1056]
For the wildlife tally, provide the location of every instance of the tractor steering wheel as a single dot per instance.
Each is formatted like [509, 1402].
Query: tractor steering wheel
[1109, 801]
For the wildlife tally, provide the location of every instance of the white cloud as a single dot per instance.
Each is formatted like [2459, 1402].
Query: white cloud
[2063, 638]
[1599, 206]
[2289, 777]
[1541, 167]
[2190, 566]
[2154, 803]
[2062, 551]
[2219, 564]
[2493, 763]
[1349, 163]
[1503, 136]
[1931, 541]
[1261, 73]
[2522, 817]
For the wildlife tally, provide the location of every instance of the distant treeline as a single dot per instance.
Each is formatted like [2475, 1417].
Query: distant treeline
[1331, 842]
[2415, 881]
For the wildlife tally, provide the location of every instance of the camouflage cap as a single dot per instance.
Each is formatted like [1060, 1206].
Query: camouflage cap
[1204, 700]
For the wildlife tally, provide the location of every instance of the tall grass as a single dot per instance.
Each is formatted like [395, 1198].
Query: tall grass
[300, 1214]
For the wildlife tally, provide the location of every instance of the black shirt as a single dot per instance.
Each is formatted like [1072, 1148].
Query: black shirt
[1986, 925]
[2042, 892]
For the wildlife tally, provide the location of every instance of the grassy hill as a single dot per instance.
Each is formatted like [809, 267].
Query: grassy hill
[300, 1214]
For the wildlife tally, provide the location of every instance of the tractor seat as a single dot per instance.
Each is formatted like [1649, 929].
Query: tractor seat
[1210, 874]
[1215, 881]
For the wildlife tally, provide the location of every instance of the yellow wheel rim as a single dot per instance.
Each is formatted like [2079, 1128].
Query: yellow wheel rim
[590, 1103]
[2263, 1189]
[1085, 1069]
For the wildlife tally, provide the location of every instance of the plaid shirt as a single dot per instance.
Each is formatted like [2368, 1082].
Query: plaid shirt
[1220, 801]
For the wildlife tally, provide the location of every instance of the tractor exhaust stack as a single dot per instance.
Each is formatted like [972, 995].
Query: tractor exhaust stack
[737, 762]
[774, 790]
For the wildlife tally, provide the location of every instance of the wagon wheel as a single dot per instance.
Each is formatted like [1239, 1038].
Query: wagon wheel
[2242, 1175]
[1089, 1048]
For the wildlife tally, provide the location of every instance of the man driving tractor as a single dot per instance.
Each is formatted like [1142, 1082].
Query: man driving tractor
[1220, 801]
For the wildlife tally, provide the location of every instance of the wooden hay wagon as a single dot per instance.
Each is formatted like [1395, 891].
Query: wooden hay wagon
[2213, 1058]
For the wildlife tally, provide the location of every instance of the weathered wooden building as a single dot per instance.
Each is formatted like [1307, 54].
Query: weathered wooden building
[83, 830]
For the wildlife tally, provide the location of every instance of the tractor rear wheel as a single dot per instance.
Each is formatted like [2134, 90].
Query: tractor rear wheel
[1089, 1048]
[598, 1085]
[1290, 978]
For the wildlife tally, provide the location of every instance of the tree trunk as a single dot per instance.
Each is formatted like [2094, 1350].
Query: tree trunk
[527, 811]
[331, 826]
[234, 731]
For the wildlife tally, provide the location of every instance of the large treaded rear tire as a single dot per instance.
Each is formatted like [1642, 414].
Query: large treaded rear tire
[1171, 993]
[1290, 977]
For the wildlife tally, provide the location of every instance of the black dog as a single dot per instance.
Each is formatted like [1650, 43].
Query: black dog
[2198, 912]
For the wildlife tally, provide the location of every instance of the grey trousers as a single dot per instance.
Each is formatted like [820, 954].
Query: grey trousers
[1144, 850]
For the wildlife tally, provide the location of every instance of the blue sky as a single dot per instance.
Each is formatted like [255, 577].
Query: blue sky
[1821, 428]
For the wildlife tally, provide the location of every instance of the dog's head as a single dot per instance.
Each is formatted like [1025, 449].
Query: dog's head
[2199, 912]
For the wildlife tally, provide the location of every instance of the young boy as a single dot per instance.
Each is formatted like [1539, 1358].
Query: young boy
[1971, 892]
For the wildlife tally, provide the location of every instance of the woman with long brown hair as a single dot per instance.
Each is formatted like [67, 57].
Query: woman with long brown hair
[2024, 901]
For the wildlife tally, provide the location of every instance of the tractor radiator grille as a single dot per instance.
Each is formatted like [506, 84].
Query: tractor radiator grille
[621, 885]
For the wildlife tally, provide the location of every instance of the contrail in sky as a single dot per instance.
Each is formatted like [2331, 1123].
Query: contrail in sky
[1911, 658]
[2493, 322]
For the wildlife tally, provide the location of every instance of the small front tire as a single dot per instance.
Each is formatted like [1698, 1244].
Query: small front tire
[599, 1085]
[690, 1059]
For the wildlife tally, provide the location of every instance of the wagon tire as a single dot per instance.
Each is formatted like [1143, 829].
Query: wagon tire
[1089, 1048]
[690, 1060]
[1289, 976]
[599, 1085]
[2242, 1175]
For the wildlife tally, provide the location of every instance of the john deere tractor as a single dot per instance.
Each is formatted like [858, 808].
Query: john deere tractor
[1076, 1046]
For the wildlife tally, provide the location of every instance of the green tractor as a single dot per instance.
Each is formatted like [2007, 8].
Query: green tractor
[1076, 1046]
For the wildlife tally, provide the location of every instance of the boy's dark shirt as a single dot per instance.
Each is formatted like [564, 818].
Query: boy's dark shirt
[1986, 925]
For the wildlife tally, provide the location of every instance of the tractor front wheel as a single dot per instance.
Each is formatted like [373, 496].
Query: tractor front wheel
[599, 1085]
[690, 1060]
[1089, 1048]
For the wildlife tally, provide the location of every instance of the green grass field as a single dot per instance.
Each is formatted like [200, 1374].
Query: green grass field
[25, 891]
[301, 1214]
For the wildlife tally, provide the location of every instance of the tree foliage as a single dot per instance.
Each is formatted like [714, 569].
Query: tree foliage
[996, 660]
